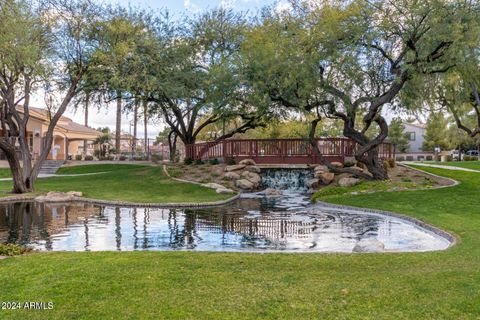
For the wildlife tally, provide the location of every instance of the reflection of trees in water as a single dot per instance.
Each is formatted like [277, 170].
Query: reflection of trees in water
[354, 226]
[30, 222]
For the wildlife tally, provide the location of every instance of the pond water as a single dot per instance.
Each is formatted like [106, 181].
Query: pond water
[252, 224]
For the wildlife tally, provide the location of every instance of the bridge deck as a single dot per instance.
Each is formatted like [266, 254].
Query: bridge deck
[280, 151]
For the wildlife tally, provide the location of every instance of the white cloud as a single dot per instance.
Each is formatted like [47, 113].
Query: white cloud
[191, 6]
[283, 6]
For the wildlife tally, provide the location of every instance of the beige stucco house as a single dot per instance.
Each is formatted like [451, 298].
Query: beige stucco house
[68, 140]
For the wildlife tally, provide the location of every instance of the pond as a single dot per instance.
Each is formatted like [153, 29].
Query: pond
[252, 224]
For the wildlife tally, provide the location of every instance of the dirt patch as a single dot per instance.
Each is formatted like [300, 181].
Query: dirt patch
[404, 174]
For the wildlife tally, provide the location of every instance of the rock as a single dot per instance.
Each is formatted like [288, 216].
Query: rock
[232, 176]
[337, 164]
[348, 182]
[320, 168]
[235, 167]
[369, 245]
[75, 193]
[244, 184]
[270, 192]
[326, 177]
[248, 162]
[254, 178]
[312, 183]
[358, 169]
[224, 191]
[54, 196]
[213, 186]
[253, 169]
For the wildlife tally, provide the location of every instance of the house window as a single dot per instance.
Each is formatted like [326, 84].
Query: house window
[411, 136]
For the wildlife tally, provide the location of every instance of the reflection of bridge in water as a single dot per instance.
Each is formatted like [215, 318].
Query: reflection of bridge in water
[168, 228]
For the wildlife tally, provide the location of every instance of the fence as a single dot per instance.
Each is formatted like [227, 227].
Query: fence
[291, 151]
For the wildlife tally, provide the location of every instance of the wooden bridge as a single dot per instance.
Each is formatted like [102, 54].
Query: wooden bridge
[280, 151]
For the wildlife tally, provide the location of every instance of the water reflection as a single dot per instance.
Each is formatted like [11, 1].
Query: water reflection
[256, 224]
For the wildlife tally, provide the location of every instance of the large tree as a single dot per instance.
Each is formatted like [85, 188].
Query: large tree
[347, 61]
[197, 78]
[48, 45]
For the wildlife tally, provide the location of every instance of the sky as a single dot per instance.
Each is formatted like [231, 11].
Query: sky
[106, 116]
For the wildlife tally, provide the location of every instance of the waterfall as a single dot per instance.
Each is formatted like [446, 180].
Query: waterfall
[286, 179]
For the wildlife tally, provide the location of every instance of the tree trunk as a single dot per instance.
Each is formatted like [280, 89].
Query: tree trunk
[172, 145]
[135, 120]
[145, 127]
[118, 126]
[85, 142]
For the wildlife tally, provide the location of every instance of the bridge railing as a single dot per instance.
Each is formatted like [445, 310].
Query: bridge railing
[279, 150]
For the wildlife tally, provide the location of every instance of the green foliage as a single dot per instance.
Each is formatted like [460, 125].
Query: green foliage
[436, 132]
[214, 161]
[11, 249]
[88, 158]
[397, 135]
[198, 162]
[78, 157]
[188, 161]
[231, 161]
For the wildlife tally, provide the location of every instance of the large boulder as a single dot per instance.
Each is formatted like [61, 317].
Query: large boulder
[244, 184]
[213, 186]
[270, 192]
[326, 177]
[75, 193]
[337, 164]
[248, 162]
[232, 176]
[253, 169]
[224, 191]
[320, 168]
[235, 167]
[348, 182]
[369, 245]
[54, 196]
[254, 178]
[312, 183]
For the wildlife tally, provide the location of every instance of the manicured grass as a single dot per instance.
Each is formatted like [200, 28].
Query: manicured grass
[5, 173]
[462, 164]
[434, 285]
[143, 184]
[94, 168]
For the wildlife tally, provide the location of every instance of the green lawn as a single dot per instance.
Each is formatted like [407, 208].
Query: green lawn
[94, 168]
[463, 164]
[5, 173]
[435, 285]
[134, 183]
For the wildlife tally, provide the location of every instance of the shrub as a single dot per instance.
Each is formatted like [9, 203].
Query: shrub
[348, 164]
[429, 158]
[111, 158]
[88, 158]
[138, 158]
[156, 158]
[386, 165]
[199, 162]
[400, 158]
[11, 249]
[78, 157]
[188, 161]
[122, 158]
[231, 161]
[391, 163]
[449, 158]
[214, 161]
